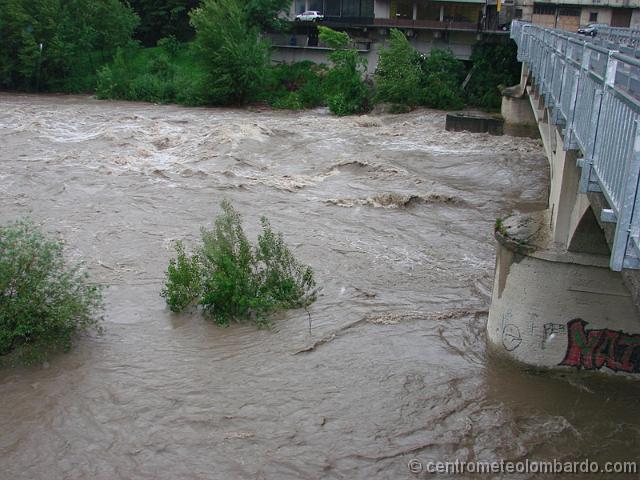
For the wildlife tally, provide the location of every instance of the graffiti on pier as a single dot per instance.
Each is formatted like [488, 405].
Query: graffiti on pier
[594, 349]
[511, 338]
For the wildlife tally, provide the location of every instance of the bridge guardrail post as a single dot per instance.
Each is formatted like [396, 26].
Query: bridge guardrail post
[569, 140]
[585, 177]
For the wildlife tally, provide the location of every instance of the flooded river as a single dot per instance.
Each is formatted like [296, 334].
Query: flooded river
[394, 214]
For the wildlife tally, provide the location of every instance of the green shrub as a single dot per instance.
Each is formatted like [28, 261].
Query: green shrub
[183, 285]
[233, 280]
[443, 75]
[295, 86]
[398, 75]
[170, 45]
[43, 301]
[345, 90]
[494, 66]
[151, 88]
[114, 80]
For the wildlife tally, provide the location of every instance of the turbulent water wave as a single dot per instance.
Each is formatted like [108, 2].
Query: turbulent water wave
[396, 200]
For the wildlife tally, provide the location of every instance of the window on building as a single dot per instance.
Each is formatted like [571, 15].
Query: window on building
[569, 11]
[544, 9]
[593, 17]
[316, 5]
[332, 8]
[300, 6]
[518, 13]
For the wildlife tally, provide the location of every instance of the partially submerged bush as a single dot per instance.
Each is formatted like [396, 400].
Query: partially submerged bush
[345, 90]
[295, 86]
[43, 301]
[233, 280]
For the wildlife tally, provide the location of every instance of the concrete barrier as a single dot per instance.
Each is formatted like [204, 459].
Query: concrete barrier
[475, 122]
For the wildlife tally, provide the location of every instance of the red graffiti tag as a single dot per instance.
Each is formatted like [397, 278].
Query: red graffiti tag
[593, 349]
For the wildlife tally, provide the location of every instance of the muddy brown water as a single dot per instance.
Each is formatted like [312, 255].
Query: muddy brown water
[394, 214]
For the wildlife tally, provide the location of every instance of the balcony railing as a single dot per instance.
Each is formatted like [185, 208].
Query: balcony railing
[593, 92]
[433, 24]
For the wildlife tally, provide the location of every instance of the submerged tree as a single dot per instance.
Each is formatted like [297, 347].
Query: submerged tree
[44, 301]
[233, 280]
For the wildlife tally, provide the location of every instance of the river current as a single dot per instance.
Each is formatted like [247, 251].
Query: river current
[394, 214]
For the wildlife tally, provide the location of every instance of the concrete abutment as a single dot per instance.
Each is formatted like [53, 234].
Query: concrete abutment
[555, 301]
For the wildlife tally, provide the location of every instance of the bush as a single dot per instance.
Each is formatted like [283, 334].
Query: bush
[494, 66]
[295, 86]
[346, 93]
[43, 301]
[442, 80]
[398, 75]
[233, 280]
[114, 80]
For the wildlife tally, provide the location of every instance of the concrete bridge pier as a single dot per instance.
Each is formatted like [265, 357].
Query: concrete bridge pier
[556, 303]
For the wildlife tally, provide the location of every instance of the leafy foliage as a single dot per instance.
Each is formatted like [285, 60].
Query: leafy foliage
[346, 92]
[58, 45]
[232, 54]
[295, 86]
[163, 18]
[43, 302]
[399, 74]
[264, 14]
[407, 78]
[442, 84]
[233, 280]
[152, 75]
[183, 284]
[494, 66]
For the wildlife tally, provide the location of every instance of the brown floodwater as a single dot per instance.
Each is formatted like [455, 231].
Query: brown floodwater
[394, 214]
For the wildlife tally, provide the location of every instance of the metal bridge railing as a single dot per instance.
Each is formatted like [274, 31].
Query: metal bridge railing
[592, 88]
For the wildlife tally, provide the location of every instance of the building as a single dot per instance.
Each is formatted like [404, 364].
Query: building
[448, 24]
[571, 14]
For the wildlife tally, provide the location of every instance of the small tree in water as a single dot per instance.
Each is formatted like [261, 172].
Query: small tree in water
[43, 301]
[233, 280]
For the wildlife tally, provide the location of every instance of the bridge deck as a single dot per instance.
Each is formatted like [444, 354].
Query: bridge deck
[592, 88]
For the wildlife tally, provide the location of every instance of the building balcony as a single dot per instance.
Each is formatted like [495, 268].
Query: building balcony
[428, 24]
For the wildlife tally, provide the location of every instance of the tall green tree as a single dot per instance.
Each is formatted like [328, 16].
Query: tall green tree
[231, 51]
[345, 89]
[398, 75]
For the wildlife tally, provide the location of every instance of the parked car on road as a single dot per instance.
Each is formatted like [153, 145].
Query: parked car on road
[591, 29]
[309, 16]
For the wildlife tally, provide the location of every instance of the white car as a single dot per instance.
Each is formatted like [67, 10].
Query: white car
[310, 16]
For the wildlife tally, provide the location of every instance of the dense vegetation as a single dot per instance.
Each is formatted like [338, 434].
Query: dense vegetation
[43, 301]
[212, 52]
[57, 45]
[234, 280]
[406, 78]
[495, 66]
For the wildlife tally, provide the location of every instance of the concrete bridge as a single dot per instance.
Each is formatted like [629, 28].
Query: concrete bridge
[567, 283]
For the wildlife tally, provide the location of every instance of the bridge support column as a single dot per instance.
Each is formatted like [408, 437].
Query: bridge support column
[555, 308]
